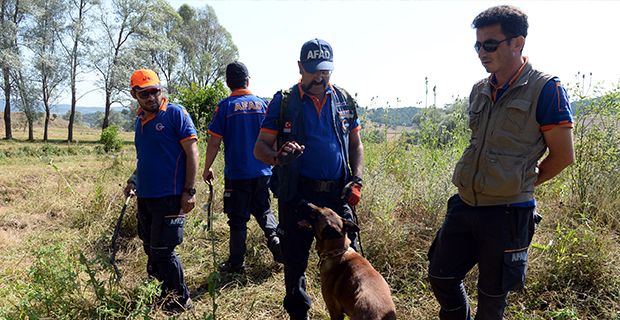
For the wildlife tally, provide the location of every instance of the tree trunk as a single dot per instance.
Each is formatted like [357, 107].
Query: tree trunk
[30, 130]
[47, 122]
[72, 116]
[106, 117]
[7, 105]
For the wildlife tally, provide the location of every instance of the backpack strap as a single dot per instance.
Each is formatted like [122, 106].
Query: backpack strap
[286, 96]
[350, 100]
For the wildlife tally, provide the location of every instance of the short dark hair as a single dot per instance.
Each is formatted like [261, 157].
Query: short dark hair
[237, 83]
[512, 20]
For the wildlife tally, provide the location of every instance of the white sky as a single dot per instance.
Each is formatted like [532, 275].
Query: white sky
[387, 48]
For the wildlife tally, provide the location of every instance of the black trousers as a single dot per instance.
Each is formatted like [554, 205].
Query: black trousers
[242, 199]
[497, 239]
[160, 226]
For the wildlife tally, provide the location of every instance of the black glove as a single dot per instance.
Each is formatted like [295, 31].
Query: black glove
[281, 159]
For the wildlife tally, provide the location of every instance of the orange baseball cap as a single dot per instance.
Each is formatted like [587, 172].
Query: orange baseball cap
[143, 79]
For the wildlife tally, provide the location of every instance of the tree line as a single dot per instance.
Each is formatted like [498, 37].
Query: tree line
[48, 46]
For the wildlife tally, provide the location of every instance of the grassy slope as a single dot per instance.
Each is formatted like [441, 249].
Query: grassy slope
[402, 207]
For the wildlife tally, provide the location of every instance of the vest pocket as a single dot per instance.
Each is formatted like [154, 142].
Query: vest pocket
[516, 115]
[463, 170]
[502, 175]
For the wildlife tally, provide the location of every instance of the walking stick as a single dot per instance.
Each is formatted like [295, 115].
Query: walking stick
[209, 206]
[114, 236]
[359, 233]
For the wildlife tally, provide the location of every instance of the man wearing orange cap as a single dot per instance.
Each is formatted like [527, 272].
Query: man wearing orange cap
[164, 182]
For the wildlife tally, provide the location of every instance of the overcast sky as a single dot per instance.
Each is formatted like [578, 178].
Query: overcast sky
[385, 49]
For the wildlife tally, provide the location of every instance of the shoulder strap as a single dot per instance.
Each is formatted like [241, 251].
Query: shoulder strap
[286, 96]
[350, 100]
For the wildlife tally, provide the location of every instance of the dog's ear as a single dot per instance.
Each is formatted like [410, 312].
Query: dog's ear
[350, 226]
[330, 232]
[308, 210]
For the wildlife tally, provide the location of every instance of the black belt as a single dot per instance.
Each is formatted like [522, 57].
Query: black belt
[319, 186]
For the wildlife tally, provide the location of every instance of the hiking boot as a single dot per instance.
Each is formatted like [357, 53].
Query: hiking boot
[274, 246]
[227, 267]
[176, 308]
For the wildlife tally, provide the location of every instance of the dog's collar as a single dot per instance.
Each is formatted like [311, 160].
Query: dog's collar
[327, 255]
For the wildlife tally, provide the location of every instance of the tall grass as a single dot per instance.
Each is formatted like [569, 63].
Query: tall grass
[56, 222]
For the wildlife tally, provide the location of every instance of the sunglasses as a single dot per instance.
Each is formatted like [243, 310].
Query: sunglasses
[147, 93]
[489, 45]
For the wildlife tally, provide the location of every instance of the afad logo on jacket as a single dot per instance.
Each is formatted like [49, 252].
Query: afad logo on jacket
[159, 126]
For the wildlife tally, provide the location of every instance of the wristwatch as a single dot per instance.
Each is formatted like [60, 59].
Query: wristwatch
[191, 191]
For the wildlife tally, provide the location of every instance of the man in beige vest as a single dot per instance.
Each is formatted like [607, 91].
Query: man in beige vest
[516, 115]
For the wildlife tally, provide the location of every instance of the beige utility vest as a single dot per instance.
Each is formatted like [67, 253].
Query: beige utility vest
[500, 165]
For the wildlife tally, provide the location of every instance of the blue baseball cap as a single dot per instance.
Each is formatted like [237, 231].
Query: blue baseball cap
[317, 54]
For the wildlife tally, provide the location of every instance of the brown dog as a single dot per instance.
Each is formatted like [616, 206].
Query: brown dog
[350, 284]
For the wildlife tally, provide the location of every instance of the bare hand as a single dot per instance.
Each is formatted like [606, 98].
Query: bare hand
[130, 190]
[208, 175]
[187, 202]
[290, 151]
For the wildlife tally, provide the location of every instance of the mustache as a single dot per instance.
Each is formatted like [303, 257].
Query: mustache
[313, 83]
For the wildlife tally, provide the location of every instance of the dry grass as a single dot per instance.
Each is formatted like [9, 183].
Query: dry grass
[77, 202]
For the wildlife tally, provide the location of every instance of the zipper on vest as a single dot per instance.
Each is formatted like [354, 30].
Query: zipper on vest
[484, 136]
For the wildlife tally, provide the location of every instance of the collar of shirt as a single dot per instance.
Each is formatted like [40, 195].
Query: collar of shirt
[241, 92]
[498, 91]
[317, 104]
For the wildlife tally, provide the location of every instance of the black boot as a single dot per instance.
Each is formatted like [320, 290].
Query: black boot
[235, 262]
[274, 246]
[268, 224]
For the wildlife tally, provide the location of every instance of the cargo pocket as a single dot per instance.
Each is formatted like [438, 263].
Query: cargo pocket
[515, 267]
[173, 230]
[228, 200]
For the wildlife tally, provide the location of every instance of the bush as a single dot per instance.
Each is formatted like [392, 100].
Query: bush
[200, 102]
[110, 140]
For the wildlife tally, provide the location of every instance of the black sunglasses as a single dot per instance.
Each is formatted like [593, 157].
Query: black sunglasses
[489, 45]
[147, 93]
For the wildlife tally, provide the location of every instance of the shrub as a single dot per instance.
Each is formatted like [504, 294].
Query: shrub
[110, 140]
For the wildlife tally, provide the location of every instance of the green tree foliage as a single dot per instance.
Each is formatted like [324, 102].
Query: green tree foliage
[77, 117]
[76, 42]
[28, 93]
[162, 43]
[442, 127]
[206, 47]
[41, 36]
[393, 117]
[200, 102]
[114, 57]
[11, 17]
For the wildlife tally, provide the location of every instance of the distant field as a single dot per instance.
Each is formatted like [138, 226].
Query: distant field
[57, 131]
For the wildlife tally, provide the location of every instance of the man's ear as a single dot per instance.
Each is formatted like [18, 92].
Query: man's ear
[133, 94]
[519, 43]
[301, 69]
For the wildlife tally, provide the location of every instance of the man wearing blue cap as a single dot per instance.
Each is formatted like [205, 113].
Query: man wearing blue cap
[319, 158]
